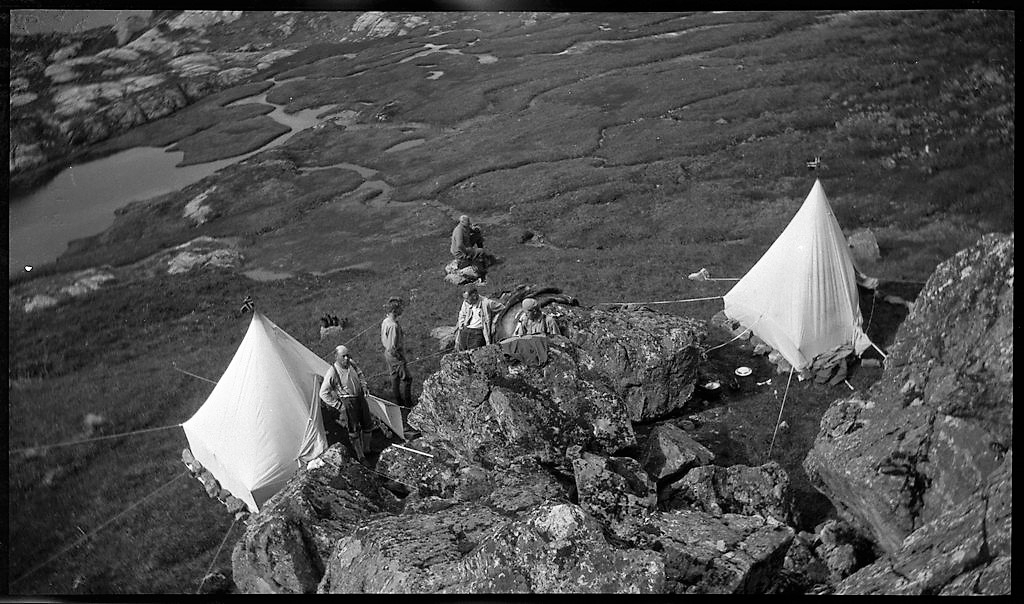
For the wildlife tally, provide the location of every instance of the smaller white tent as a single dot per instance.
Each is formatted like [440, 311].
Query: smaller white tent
[262, 421]
[801, 296]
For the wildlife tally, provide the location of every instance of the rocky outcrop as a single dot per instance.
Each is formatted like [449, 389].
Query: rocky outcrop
[556, 548]
[286, 546]
[930, 434]
[491, 410]
[940, 419]
[650, 359]
[761, 490]
[489, 496]
[965, 551]
[719, 555]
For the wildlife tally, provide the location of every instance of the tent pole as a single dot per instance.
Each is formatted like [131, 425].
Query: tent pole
[779, 420]
[884, 356]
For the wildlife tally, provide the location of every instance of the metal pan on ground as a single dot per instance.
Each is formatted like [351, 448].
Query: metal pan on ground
[745, 379]
[710, 390]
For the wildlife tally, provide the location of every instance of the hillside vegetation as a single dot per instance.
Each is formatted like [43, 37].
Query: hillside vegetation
[636, 148]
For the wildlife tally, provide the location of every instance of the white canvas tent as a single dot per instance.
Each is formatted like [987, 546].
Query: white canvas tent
[801, 296]
[262, 421]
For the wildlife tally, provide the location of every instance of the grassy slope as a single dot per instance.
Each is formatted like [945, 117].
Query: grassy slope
[638, 166]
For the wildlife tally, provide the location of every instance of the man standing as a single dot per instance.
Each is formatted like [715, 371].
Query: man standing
[392, 339]
[344, 389]
[475, 320]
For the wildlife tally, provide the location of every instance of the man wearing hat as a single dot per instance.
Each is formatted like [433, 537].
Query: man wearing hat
[534, 321]
[344, 389]
[475, 325]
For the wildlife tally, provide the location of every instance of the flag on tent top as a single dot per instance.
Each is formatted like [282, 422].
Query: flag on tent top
[262, 421]
[801, 296]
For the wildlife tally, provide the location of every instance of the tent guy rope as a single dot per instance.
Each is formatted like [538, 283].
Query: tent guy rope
[87, 536]
[89, 440]
[658, 302]
[777, 421]
[217, 555]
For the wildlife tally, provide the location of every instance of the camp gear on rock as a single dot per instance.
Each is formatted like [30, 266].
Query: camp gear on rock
[272, 375]
[801, 296]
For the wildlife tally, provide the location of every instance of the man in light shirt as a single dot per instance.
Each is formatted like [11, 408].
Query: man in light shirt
[393, 341]
[474, 328]
[344, 389]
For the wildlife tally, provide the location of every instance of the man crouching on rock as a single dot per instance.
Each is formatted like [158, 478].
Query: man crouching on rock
[344, 388]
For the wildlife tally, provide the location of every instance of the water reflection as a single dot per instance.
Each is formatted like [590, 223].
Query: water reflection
[81, 200]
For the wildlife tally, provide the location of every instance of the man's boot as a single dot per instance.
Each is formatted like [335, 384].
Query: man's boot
[356, 439]
[367, 442]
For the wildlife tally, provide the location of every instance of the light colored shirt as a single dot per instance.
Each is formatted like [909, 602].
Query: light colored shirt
[484, 307]
[391, 337]
[543, 325]
[341, 382]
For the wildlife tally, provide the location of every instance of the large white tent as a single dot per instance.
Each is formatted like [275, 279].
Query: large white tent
[262, 421]
[801, 296]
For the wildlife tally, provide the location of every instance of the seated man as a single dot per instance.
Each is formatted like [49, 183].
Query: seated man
[467, 247]
[534, 321]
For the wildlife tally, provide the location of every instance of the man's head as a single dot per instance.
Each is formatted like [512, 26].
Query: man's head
[531, 307]
[464, 220]
[341, 356]
[394, 305]
[471, 295]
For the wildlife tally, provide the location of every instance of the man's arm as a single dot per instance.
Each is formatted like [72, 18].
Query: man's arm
[463, 316]
[327, 390]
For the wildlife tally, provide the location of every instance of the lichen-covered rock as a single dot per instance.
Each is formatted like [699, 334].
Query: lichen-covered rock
[286, 545]
[557, 548]
[966, 550]
[614, 490]
[490, 412]
[719, 555]
[669, 451]
[739, 489]
[940, 419]
[410, 553]
[649, 358]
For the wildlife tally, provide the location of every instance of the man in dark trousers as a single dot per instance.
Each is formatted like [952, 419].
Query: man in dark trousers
[392, 339]
[344, 389]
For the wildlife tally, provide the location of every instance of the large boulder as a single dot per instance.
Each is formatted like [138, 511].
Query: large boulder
[286, 545]
[719, 555]
[409, 553]
[649, 358]
[940, 419]
[739, 489]
[965, 551]
[491, 411]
